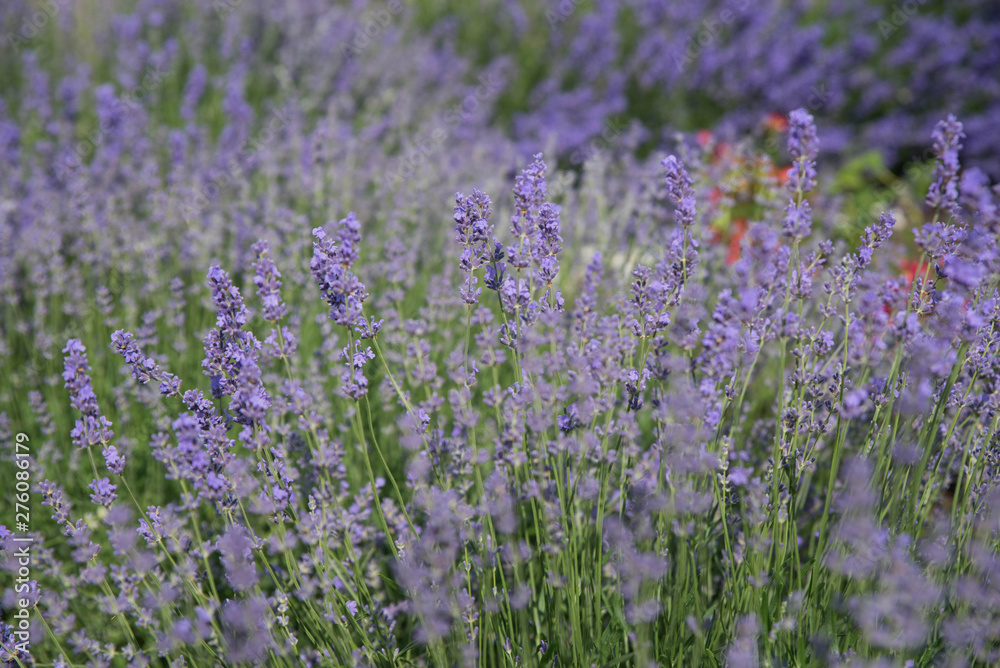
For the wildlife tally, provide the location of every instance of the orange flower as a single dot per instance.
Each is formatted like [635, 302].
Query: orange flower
[776, 122]
[722, 150]
[739, 228]
[781, 174]
[911, 269]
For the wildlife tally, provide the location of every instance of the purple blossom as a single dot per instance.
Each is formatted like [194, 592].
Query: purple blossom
[803, 147]
[232, 354]
[54, 497]
[701, 429]
[114, 461]
[144, 369]
[474, 231]
[943, 192]
[77, 380]
[939, 240]
[267, 278]
[680, 190]
[331, 266]
[798, 220]
[529, 194]
[93, 428]
[353, 383]
[104, 492]
[874, 237]
[236, 549]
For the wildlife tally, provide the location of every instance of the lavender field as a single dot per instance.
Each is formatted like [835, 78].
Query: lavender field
[524, 333]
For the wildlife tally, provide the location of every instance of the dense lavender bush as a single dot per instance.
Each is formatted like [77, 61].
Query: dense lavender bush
[276, 394]
[875, 74]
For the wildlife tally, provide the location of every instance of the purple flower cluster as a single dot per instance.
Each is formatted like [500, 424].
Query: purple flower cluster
[552, 456]
[331, 265]
[232, 354]
[943, 192]
[92, 428]
[803, 147]
[144, 369]
[474, 231]
[877, 75]
[677, 413]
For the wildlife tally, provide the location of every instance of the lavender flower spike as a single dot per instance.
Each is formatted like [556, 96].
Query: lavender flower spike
[93, 428]
[144, 369]
[331, 267]
[943, 193]
[228, 340]
[267, 278]
[680, 190]
[473, 230]
[803, 146]
[104, 492]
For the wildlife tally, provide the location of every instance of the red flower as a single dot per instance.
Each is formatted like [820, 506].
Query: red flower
[776, 122]
[781, 174]
[911, 269]
[739, 228]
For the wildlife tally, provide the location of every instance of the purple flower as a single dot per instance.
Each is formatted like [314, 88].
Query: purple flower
[114, 461]
[803, 146]
[202, 455]
[331, 266]
[939, 239]
[92, 429]
[474, 231]
[680, 190]
[54, 497]
[473, 228]
[144, 369]
[529, 194]
[267, 278]
[798, 220]
[353, 383]
[943, 192]
[547, 248]
[236, 549]
[76, 379]
[848, 272]
[681, 253]
[246, 632]
[873, 237]
[228, 340]
[232, 354]
[536, 226]
[104, 492]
